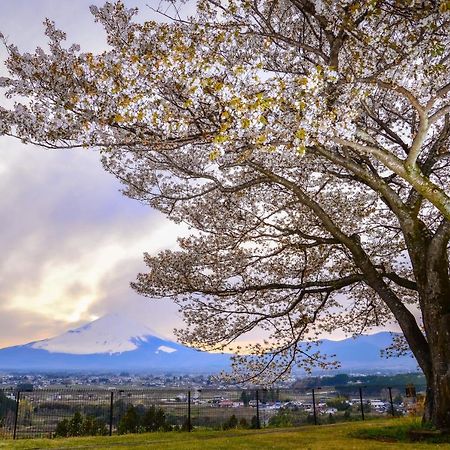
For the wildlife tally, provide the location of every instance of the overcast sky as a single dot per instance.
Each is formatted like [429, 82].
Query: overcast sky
[70, 242]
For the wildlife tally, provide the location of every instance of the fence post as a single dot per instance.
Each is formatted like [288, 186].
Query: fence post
[258, 421]
[189, 412]
[362, 404]
[391, 401]
[314, 406]
[16, 416]
[111, 412]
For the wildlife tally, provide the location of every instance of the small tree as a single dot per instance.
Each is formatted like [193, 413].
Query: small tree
[281, 419]
[154, 419]
[25, 412]
[129, 422]
[62, 428]
[93, 427]
[243, 423]
[254, 424]
[6, 405]
[245, 398]
[340, 403]
[232, 422]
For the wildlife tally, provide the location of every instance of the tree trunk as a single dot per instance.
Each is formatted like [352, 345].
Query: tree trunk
[436, 317]
[437, 403]
[430, 262]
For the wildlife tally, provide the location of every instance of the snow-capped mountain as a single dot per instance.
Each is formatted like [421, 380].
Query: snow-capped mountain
[117, 343]
[112, 343]
[113, 333]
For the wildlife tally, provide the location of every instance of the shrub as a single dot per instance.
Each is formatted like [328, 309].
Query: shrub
[6, 404]
[154, 419]
[281, 419]
[138, 419]
[254, 423]
[80, 425]
[243, 423]
[232, 422]
[129, 422]
[340, 403]
[186, 425]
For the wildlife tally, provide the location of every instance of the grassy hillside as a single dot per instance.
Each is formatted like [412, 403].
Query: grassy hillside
[333, 437]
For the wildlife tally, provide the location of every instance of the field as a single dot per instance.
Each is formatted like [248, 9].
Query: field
[336, 436]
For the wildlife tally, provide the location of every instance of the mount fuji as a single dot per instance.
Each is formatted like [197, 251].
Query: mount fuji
[109, 344]
[116, 343]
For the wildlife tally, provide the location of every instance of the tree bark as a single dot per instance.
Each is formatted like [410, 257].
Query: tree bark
[437, 321]
[434, 292]
[437, 403]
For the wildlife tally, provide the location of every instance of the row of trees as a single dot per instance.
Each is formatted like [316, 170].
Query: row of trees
[137, 419]
[134, 420]
[81, 425]
[233, 422]
[375, 381]
[305, 142]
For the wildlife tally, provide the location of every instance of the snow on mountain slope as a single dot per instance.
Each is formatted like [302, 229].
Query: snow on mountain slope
[111, 334]
[165, 349]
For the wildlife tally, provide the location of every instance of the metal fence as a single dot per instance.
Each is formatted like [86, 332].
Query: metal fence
[76, 412]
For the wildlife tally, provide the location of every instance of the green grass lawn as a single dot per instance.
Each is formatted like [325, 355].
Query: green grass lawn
[323, 437]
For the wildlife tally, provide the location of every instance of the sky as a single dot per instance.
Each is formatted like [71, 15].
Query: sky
[70, 241]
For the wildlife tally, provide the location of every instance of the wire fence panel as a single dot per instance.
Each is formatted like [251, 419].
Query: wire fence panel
[149, 410]
[224, 409]
[81, 412]
[44, 413]
[7, 413]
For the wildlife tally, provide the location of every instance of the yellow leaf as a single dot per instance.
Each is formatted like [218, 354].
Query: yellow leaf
[261, 139]
[220, 139]
[300, 134]
[214, 155]
[225, 126]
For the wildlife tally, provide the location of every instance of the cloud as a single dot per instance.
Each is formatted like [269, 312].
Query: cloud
[115, 294]
[18, 324]
[71, 243]
[69, 239]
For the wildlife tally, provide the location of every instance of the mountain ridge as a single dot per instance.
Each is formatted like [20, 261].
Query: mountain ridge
[116, 343]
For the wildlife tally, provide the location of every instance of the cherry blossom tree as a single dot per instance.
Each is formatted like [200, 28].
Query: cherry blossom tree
[306, 143]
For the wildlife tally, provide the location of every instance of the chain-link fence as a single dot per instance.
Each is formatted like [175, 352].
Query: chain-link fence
[80, 412]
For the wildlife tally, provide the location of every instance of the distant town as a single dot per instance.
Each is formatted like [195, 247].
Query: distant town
[112, 380]
[169, 380]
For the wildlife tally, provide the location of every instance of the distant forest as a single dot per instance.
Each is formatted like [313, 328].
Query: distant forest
[342, 379]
